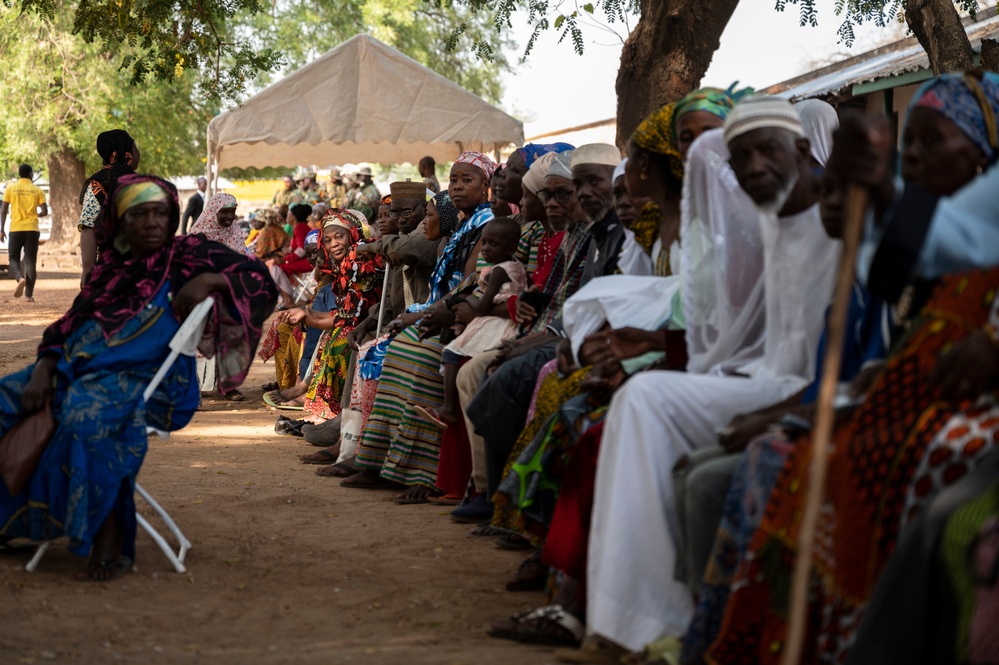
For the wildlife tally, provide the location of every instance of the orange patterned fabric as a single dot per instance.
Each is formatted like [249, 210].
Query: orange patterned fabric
[879, 477]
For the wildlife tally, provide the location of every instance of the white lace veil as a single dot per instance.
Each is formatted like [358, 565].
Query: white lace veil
[722, 263]
[819, 120]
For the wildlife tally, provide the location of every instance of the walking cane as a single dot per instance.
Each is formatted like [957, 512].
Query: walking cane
[856, 204]
[381, 305]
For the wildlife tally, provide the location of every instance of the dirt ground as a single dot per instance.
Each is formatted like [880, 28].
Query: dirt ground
[286, 567]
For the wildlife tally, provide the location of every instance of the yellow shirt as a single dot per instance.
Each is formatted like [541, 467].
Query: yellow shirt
[23, 198]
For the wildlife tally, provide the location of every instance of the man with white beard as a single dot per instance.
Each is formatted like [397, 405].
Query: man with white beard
[658, 417]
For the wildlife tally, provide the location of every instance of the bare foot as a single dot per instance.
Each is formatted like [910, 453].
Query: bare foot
[417, 494]
[369, 480]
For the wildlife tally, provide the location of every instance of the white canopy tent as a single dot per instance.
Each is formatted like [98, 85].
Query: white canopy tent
[360, 101]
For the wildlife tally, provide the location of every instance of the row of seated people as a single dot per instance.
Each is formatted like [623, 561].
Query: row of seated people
[639, 414]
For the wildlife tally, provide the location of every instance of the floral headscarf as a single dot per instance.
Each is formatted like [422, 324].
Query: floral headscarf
[970, 102]
[272, 237]
[479, 161]
[232, 236]
[532, 151]
[656, 134]
[357, 283]
[713, 100]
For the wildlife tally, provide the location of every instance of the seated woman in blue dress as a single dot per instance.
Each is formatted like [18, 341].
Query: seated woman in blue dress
[94, 363]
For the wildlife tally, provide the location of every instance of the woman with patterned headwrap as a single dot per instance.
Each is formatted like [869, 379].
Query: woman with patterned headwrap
[357, 285]
[702, 110]
[272, 239]
[94, 363]
[398, 446]
[119, 156]
[930, 416]
[217, 222]
[441, 221]
[288, 343]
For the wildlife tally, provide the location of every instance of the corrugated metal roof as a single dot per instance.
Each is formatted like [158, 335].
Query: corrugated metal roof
[896, 59]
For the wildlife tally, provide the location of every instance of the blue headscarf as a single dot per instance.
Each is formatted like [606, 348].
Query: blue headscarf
[312, 238]
[532, 151]
[970, 102]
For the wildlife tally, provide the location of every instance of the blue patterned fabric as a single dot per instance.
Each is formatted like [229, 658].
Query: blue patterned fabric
[532, 151]
[952, 96]
[90, 464]
[449, 270]
[370, 365]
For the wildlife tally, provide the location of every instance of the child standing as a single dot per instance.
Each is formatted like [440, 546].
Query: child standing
[485, 323]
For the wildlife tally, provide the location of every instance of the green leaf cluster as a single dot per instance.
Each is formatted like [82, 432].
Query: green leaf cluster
[858, 12]
[59, 91]
[165, 38]
[566, 18]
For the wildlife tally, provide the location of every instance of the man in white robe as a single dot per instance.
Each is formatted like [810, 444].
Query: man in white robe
[751, 343]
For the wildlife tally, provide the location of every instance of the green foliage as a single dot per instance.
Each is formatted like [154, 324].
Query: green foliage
[472, 57]
[858, 12]
[59, 91]
[165, 38]
[543, 15]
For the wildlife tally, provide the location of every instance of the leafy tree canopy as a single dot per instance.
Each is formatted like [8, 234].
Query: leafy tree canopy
[567, 18]
[165, 38]
[58, 91]
[858, 12]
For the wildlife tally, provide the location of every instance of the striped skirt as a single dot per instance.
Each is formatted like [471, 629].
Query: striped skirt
[397, 441]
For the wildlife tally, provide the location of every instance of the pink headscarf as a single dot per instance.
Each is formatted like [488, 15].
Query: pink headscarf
[232, 236]
[479, 161]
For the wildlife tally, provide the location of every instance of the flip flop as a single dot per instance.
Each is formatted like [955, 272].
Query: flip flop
[380, 484]
[319, 457]
[432, 416]
[270, 387]
[404, 500]
[269, 400]
[487, 530]
[7, 548]
[514, 542]
[234, 396]
[339, 470]
[446, 500]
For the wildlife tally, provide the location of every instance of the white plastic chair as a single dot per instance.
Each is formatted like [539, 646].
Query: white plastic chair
[305, 284]
[184, 342]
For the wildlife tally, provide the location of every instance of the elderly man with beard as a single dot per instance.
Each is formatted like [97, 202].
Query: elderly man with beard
[577, 189]
[657, 417]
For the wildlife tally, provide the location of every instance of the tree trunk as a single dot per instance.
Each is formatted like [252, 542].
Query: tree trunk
[66, 175]
[666, 55]
[990, 55]
[939, 30]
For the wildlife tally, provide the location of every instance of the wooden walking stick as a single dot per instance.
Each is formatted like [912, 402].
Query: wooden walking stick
[856, 205]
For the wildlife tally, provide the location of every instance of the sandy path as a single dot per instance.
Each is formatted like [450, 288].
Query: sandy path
[286, 567]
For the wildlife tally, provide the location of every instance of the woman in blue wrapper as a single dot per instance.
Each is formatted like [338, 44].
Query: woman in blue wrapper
[95, 362]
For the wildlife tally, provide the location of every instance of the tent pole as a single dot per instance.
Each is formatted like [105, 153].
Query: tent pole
[208, 165]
